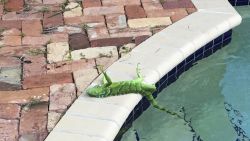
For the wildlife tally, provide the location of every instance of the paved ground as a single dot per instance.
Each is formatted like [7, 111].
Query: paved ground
[50, 50]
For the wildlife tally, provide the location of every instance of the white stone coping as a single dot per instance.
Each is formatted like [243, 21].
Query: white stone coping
[99, 119]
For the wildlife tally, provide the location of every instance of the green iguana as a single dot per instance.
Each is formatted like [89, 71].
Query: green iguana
[109, 88]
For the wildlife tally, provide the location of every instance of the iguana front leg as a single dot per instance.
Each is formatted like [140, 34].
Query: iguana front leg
[151, 99]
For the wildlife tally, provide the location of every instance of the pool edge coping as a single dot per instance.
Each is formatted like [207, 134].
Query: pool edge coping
[110, 113]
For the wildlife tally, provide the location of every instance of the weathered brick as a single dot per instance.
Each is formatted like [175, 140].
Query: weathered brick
[179, 15]
[178, 4]
[10, 24]
[61, 96]
[97, 33]
[152, 6]
[9, 130]
[24, 96]
[9, 62]
[83, 78]
[120, 2]
[9, 111]
[57, 52]
[70, 66]
[116, 21]
[36, 64]
[44, 39]
[1, 9]
[111, 41]
[149, 22]
[14, 5]
[31, 15]
[91, 3]
[83, 20]
[92, 11]
[53, 118]
[53, 1]
[13, 51]
[140, 39]
[32, 28]
[11, 32]
[130, 32]
[33, 123]
[78, 41]
[191, 10]
[75, 10]
[135, 12]
[10, 76]
[11, 41]
[52, 20]
[46, 80]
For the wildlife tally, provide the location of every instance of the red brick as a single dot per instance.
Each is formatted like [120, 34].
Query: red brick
[33, 123]
[32, 28]
[135, 11]
[13, 51]
[36, 65]
[9, 130]
[12, 32]
[104, 10]
[120, 2]
[140, 39]
[52, 21]
[111, 41]
[10, 24]
[97, 33]
[130, 32]
[152, 6]
[191, 10]
[24, 96]
[78, 41]
[116, 21]
[166, 12]
[14, 5]
[179, 15]
[9, 61]
[1, 9]
[9, 111]
[69, 66]
[44, 39]
[178, 4]
[46, 80]
[9, 87]
[83, 20]
[91, 3]
[31, 15]
[12, 41]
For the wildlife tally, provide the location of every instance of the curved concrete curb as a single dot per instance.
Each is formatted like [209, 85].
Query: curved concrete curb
[99, 119]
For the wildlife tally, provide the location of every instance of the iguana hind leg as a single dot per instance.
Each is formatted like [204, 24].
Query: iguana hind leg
[154, 103]
[106, 79]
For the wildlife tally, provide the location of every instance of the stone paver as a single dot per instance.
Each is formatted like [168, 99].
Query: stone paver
[51, 50]
[57, 52]
[75, 10]
[149, 22]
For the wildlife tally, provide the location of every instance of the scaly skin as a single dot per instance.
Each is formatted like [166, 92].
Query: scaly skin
[110, 88]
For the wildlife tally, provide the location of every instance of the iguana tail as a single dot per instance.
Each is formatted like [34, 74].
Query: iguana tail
[154, 103]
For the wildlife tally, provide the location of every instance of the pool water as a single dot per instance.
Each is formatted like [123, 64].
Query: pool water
[215, 94]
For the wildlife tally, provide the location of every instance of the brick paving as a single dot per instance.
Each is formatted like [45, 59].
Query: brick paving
[50, 51]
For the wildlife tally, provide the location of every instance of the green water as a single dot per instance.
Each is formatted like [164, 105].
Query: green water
[215, 94]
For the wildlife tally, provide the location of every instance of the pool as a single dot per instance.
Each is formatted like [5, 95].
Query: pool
[215, 93]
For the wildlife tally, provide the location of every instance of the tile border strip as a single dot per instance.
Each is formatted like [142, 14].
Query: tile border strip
[159, 55]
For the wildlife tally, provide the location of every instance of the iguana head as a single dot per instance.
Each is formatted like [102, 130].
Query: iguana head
[97, 91]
